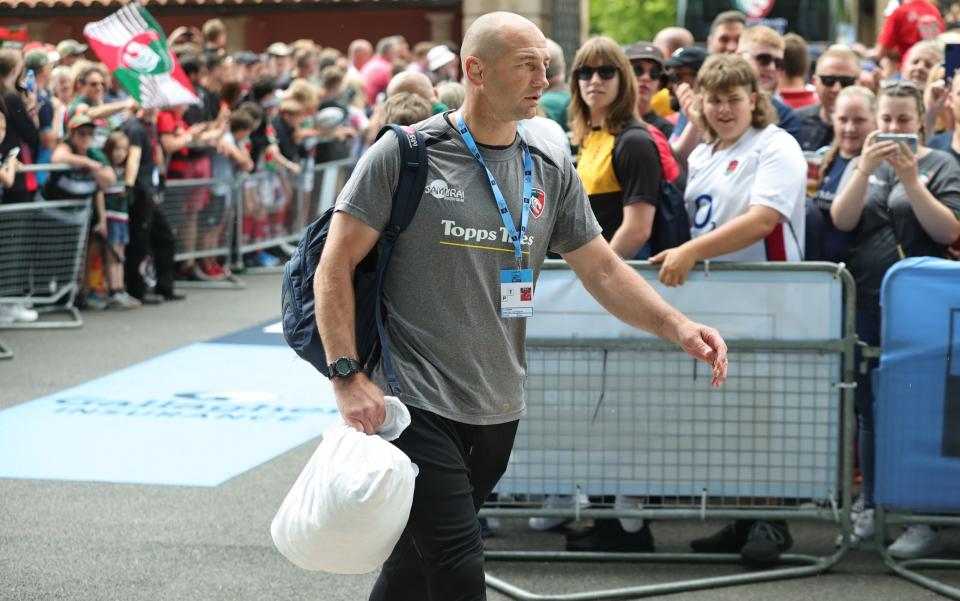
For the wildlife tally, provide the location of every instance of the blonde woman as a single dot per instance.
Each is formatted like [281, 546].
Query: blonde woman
[854, 118]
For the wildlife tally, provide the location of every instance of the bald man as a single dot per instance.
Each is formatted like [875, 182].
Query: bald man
[670, 39]
[458, 292]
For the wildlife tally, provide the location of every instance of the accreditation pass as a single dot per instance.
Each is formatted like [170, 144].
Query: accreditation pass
[516, 293]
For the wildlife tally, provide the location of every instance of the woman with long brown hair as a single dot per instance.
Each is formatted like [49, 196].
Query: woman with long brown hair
[622, 168]
[620, 163]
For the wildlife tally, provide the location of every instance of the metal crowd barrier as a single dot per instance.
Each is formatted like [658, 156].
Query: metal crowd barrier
[42, 250]
[275, 207]
[917, 411]
[612, 413]
[907, 568]
[327, 179]
[202, 213]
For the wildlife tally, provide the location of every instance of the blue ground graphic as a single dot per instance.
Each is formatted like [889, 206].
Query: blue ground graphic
[197, 416]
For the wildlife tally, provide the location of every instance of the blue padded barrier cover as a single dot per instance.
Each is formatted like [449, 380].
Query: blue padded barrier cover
[918, 387]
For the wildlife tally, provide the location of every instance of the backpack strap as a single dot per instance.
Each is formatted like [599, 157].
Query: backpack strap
[406, 200]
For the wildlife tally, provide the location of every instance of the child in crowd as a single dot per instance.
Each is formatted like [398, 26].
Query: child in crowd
[91, 175]
[231, 159]
[116, 201]
[264, 201]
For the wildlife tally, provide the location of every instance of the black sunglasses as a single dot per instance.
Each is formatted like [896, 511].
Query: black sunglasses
[606, 72]
[655, 72]
[764, 59]
[831, 80]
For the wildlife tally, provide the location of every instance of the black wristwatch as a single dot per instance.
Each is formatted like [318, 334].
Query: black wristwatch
[344, 367]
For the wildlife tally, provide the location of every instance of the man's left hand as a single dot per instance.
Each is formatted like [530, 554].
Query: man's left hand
[705, 343]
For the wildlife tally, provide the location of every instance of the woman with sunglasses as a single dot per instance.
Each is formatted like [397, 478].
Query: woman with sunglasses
[621, 163]
[621, 167]
[647, 63]
[91, 85]
[854, 117]
[898, 204]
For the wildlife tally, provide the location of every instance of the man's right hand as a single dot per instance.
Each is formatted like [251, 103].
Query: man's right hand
[360, 402]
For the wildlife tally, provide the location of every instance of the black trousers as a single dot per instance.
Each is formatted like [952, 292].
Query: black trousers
[440, 555]
[149, 233]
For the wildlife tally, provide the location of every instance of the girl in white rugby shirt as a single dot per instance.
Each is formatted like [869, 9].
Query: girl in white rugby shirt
[745, 194]
[746, 182]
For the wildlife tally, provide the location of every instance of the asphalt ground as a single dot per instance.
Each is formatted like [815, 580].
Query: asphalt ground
[100, 542]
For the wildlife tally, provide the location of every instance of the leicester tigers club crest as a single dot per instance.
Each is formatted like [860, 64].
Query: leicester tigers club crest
[537, 201]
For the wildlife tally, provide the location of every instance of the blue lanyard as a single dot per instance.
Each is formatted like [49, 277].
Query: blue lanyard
[517, 238]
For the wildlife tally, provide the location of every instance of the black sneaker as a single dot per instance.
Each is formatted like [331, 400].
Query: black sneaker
[730, 539]
[607, 535]
[765, 542]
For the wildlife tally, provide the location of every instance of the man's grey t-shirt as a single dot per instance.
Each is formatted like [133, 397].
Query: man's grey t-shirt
[453, 353]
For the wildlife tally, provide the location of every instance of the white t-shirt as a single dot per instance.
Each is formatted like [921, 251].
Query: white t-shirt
[549, 130]
[765, 167]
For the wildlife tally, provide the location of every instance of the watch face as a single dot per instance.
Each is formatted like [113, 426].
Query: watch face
[343, 367]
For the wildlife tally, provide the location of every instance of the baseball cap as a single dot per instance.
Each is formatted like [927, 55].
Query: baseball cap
[279, 49]
[36, 60]
[71, 48]
[439, 56]
[644, 51]
[692, 57]
[79, 121]
[247, 58]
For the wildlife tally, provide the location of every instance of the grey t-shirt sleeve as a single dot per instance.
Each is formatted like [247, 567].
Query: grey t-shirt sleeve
[576, 224]
[368, 194]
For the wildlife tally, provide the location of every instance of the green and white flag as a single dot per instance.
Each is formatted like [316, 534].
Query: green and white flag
[134, 48]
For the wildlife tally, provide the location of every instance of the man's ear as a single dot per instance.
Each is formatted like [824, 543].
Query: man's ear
[474, 69]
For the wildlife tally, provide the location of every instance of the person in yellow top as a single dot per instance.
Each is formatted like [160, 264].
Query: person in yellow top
[618, 161]
[621, 167]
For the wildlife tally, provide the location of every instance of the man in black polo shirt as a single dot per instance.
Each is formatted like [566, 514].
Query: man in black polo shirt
[149, 229]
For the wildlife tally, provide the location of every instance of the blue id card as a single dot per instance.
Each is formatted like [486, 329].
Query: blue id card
[516, 293]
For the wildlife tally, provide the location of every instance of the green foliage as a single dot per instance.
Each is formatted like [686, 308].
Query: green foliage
[627, 21]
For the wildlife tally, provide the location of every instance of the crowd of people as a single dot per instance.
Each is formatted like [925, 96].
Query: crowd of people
[276, 113]
[753, 146]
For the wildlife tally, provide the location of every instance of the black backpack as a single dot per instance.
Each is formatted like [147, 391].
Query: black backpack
[671, 223]
[299, 322]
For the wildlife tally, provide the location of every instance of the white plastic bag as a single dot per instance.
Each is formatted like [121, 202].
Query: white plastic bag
[351, 502]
